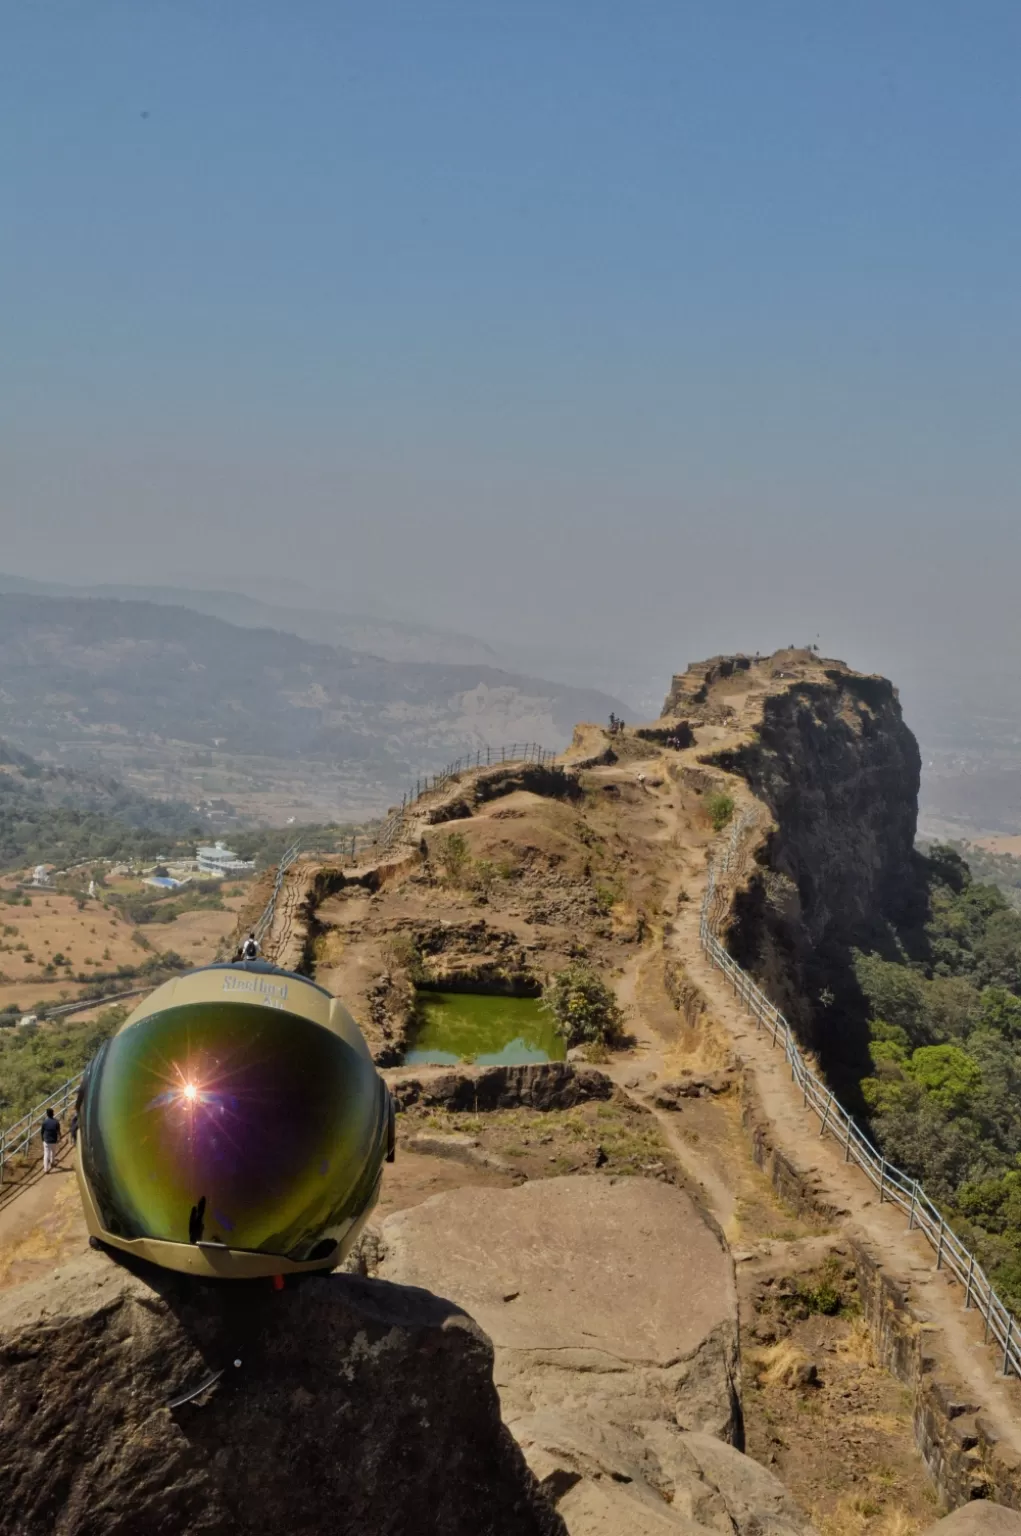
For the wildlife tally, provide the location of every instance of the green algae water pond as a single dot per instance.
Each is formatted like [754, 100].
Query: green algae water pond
[483, 1028]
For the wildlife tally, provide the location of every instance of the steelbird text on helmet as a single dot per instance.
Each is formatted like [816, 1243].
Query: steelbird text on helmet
[235, 1125]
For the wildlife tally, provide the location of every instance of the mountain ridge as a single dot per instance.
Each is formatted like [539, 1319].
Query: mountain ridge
[99, 681]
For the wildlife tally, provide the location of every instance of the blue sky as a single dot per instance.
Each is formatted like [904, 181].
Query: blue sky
[669, 327]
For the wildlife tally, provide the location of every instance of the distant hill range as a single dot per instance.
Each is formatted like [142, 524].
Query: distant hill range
[388, 639]
[81, 673]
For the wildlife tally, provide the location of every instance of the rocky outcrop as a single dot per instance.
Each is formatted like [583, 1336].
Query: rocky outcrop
[551, 782]
[343, 1404]
[978, 1519]
[538, 1085]
[473, 957]
[612, 1307]
[827, 751]
[684, 1485]
[691, 687]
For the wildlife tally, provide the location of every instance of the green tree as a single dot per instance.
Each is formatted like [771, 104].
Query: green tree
[454, 855]
[947, 1073]
[1000, 1012]
[895, 993]
[584, 1007]
[720, 807]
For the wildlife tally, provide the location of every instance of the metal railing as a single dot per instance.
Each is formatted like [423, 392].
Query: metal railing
[265, 922]
[21, 1139]
[483, 757]
[893, 1186]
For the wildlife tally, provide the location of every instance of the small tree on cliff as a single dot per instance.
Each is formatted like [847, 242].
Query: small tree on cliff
[720, 808]
[583, 1006]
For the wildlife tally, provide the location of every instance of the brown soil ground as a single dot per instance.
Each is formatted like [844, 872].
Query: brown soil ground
[841, 1442]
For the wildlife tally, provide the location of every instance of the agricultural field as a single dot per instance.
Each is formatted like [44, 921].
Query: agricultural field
[56, 944]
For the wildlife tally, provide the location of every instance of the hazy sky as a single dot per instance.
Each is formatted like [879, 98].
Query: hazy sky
[677, 327]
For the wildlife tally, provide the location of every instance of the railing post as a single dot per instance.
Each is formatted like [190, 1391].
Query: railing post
[967, 1288]
[939, 1245]
[914, 1197]
[1006, 1344]
[847, 1142]
[882, 1178]
[826, 1116]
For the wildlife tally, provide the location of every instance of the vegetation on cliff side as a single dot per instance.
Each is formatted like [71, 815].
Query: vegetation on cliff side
[944, 1091]
[35, 1059]
[1000, 869]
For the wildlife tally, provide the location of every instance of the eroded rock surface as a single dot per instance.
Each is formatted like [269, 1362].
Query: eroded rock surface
[978, 1519]
[612, 1308]
[537, 1085]
[358, 1407]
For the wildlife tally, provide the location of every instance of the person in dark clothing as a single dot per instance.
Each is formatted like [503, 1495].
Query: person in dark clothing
[50, 1133]
[73, 1129]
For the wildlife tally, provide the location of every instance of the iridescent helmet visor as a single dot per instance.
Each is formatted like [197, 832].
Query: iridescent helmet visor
[227, 1122]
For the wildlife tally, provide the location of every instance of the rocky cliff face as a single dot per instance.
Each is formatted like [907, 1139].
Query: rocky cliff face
[827, 751]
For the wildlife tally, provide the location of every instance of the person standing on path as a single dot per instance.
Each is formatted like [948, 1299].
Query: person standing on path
[50, 1133]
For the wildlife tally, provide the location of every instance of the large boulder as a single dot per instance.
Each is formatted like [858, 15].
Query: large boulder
[978, 1519]
[344, 1404]
[612, 1307]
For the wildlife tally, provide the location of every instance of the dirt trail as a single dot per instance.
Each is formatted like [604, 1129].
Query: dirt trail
[42, 1228]
[957, 1335]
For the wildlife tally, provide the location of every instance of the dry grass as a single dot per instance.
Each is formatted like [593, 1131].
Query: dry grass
[882, 1423]
[329, 948]
[778, 1366]
[856, 1347]
[858, 1515]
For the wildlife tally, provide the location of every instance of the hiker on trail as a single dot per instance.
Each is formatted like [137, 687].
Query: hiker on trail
[73, 1129]
[250, 948]
[50, 1133]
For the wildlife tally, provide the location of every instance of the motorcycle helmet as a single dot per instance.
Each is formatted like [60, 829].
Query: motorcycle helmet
[233, 1126]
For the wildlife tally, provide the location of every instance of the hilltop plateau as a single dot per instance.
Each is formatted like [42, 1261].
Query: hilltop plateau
[697, 1316]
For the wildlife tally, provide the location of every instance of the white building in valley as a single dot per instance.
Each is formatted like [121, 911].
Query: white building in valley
[218, 859]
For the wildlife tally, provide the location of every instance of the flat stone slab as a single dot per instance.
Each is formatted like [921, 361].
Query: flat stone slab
[627, 1266]
[612, 1306]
